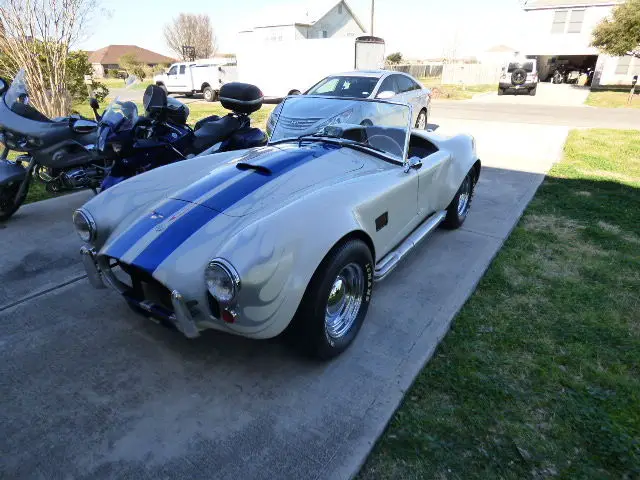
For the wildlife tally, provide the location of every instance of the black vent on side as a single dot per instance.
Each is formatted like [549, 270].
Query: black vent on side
[382, 221]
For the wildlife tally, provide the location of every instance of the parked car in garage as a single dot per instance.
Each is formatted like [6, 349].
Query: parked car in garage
[519, 75]
[380, 84]
[287, 237]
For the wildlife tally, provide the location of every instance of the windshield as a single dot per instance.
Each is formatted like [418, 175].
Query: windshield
[353, 87]
[120, 115]
[374, 124]
[527, 66]
[17, 98]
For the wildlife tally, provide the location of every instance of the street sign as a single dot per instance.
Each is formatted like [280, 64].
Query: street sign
[88, 79]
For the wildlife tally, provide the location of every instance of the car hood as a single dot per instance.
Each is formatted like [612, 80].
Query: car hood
[268, 176]
[220, 203]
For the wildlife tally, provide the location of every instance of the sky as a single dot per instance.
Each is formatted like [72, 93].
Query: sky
[417, 28]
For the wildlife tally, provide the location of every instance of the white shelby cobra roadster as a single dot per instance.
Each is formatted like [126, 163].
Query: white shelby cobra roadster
[290, 236]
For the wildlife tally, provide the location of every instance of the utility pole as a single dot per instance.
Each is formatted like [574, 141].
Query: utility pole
[373, 9]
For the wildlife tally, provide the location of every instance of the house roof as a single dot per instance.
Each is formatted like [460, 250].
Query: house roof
[111, 55]
[500, 49]
[297, 14]
[542, 4]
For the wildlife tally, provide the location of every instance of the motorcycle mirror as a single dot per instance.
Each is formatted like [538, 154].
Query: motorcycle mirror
[93, 103]
[131, 79]
[4, 86]
[84, 126]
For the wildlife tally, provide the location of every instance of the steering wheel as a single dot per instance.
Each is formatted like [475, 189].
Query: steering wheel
[385, 143]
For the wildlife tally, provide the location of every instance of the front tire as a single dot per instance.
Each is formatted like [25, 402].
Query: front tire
[8, 203]
[335, 302]
[459, 207]
[421, 122]
[209, 94]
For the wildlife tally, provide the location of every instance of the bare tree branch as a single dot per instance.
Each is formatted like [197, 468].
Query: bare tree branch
[36, 35]
[193, 30]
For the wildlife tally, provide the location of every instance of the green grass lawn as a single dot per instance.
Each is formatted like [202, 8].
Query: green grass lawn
[455, 92]
[613, 99]
[539, 376]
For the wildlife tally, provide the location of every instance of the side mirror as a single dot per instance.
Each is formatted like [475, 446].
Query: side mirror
[387, 94]
[4, 86]
[414, 163]
[93, 103]
[84, 126]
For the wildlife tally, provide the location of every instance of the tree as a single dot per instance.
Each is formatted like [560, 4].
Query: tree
[37, 35]
[620, 34]
[394, 58]
[77, 67]
[191, 30]
[133, 66]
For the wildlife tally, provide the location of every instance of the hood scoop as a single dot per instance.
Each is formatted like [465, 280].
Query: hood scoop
[268, 176]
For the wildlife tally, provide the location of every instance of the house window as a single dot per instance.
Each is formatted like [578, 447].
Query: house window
[624, 64]
[559, 21]
[575, 23]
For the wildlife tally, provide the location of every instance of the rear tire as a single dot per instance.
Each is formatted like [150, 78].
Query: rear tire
[335, 302]
[459, 207]
[209, 94]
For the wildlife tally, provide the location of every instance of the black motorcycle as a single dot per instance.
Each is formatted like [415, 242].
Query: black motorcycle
[59, 152]
[162, 136]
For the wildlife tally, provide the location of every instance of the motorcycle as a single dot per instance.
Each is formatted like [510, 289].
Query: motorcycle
[161, 136]
[58, 152]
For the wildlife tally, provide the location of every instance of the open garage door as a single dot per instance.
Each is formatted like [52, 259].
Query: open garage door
[548, 64]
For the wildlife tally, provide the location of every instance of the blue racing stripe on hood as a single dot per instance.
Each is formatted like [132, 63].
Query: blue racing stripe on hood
[279, 162]
[140, 228]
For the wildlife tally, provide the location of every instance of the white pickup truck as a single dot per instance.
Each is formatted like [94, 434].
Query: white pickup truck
[201, 76]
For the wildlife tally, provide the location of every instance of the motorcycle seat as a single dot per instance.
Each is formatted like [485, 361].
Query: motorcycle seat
[213, 131]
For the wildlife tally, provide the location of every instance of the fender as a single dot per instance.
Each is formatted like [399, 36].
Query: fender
[11, 172]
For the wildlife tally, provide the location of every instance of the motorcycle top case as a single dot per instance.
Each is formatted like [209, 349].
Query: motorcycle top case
[241, 97]
[177, 112]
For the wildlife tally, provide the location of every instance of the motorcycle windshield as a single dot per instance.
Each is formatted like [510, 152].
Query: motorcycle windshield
[17, 98]
[120, 116]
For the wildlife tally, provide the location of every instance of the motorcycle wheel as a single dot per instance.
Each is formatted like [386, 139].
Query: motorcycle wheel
[8, 203]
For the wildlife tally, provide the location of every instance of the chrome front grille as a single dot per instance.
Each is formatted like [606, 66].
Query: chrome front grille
[292, 123]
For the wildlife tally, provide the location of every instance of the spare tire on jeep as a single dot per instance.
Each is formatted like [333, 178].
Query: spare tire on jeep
[519, 76]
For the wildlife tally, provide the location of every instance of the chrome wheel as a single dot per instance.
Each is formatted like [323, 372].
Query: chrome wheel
[422, 121]
[344, 301]
[465, 196]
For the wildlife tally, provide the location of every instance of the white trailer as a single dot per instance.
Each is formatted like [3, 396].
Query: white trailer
[281, 68]
[201, 76]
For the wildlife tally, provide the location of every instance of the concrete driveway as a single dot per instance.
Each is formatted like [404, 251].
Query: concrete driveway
[90, 390]
[547, 94]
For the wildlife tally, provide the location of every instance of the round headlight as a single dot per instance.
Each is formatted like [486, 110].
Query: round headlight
[222, 281]
[85, 225]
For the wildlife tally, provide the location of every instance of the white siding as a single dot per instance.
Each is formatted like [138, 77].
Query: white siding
[608, 66]
[336, 24]
[541, 40]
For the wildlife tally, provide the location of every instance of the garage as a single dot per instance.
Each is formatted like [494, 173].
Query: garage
[548, 64]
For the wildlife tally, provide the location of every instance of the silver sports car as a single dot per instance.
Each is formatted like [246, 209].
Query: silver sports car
[290, 236]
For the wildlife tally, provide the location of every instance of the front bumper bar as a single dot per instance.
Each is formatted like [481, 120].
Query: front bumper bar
[101, 275]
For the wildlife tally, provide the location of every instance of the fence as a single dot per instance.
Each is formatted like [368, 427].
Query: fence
[453, 73]
[419, 70]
